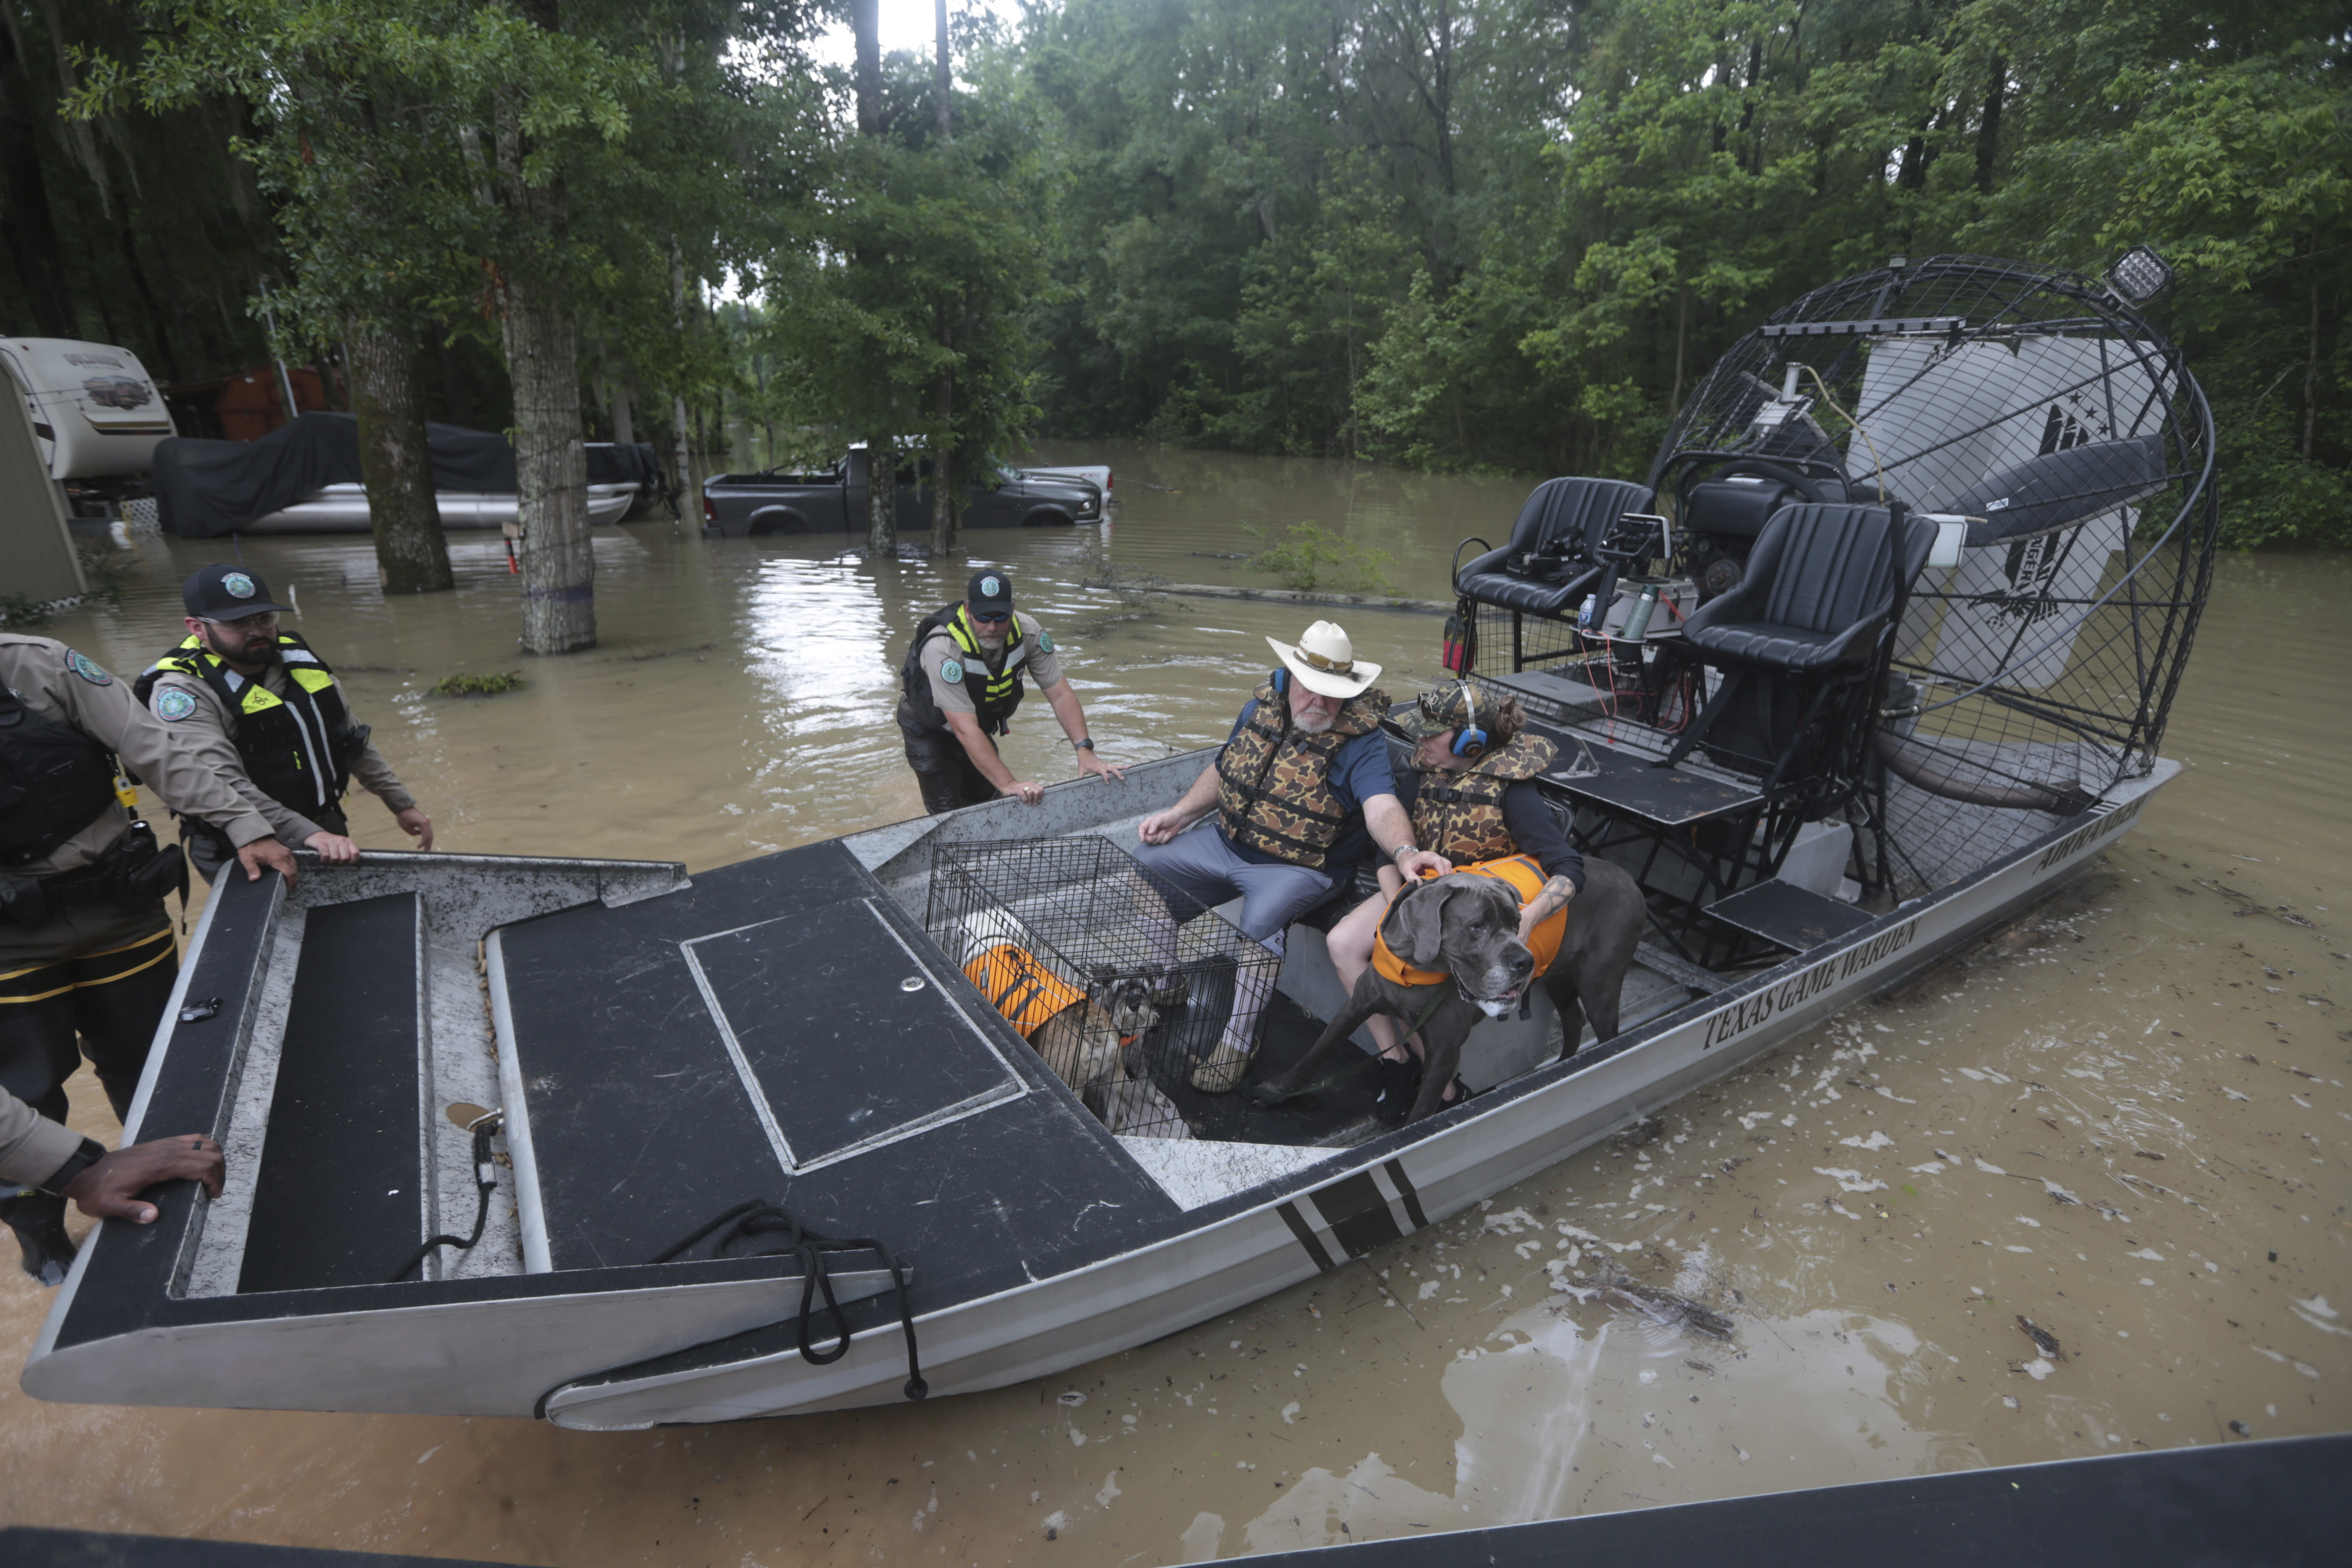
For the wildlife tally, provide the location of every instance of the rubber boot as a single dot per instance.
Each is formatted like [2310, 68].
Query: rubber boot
[39, 1221]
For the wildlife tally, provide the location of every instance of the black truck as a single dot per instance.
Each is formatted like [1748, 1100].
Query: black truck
[833, 501]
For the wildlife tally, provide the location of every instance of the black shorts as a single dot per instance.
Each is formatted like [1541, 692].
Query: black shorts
[945, 773]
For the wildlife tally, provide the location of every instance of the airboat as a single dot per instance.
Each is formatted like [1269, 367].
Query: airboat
[1878, 656]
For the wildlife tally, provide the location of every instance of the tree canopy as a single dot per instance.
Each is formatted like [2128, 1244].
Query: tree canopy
[1495, 235]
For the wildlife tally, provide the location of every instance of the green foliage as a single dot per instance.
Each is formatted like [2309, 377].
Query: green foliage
[1493, 234]
[1308, 557]
[919, 260]
[471, 685]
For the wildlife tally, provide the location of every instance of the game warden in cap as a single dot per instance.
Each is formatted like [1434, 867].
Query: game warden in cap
[262, 709]
[963, 678]
[1301, 792]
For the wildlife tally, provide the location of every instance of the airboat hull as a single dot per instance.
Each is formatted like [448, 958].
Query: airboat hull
[1037, 1240]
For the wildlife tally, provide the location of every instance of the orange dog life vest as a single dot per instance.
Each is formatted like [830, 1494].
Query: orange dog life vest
[1526, 877]
[1020, 987]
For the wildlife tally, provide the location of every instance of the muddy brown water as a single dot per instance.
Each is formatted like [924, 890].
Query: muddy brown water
[1872, 1207]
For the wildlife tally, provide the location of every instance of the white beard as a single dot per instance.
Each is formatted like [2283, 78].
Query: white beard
[1314, 724]
[990, 642]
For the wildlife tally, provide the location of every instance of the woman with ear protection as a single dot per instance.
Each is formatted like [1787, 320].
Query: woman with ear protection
[1471, 790]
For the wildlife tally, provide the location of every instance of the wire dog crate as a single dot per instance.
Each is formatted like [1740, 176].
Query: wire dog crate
[1122, 984]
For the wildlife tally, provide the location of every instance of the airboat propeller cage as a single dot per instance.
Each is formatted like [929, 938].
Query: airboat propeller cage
[2040, 409]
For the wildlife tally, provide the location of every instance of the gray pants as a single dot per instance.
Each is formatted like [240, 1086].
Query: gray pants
[1203, 867]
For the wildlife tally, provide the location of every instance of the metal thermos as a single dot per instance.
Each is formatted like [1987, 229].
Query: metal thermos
[1637, 621]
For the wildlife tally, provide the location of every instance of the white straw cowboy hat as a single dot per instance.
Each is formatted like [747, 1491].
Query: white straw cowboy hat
[1325, 661]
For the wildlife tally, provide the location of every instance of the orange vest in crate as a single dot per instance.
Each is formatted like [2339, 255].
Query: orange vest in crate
[1020, 987]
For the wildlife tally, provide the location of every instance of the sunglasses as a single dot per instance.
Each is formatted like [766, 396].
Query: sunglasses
[992, 620]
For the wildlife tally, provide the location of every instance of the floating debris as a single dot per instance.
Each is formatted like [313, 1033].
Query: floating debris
[1662, 1307]
[2043, 1340]
[470, 685]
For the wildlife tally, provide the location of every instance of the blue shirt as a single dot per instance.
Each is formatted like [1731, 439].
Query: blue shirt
[1359, 770]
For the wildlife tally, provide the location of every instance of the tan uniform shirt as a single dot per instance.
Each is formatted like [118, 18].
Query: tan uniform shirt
[32, 1147]
[1041, 664]
[210, 731]
[58, 683]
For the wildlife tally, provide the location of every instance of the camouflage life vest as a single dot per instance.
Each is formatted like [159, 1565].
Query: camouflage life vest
[1460, 816]
[1274, 790]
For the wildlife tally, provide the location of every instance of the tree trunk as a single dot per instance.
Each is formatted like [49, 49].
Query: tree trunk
[866, 77]
[1988, 127]
[939, 77]
[945, 491]
[681, 453]
[559, 571]
[681, 442]
[543, 344]
[387, 399]
[31, 231]
[881, 458]
[944, 488]
[881, 500]
[2311, 369]
[624, 420]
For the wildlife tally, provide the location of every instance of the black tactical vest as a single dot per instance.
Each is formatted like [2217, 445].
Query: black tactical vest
[297, 749]
[993, 697]
[53, 781]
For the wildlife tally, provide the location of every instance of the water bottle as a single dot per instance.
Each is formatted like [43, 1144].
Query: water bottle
[1584, 612]
[1637, 622]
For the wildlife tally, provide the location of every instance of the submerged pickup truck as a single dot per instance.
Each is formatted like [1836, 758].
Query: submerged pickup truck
[833, 501]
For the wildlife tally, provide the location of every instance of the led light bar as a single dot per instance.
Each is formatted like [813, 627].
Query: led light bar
[1877, 329]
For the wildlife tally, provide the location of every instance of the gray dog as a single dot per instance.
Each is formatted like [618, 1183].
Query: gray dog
[1469, 927]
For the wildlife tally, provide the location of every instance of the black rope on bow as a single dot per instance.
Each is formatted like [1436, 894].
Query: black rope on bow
[486, 1182]
[782, 1235]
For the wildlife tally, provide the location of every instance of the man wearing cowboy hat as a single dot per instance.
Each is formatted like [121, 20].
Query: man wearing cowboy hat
[1302, 791]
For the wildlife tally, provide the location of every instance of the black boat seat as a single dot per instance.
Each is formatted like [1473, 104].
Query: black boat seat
[1579, 510]
[1819, 587]
[1823, 585]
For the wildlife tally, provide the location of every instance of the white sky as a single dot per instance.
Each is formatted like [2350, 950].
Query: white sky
[907, 25]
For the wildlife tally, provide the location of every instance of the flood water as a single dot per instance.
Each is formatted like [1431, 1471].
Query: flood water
[2166, 1041]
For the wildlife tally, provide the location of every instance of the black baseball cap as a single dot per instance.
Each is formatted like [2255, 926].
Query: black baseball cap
[991, 591]
[227, 593]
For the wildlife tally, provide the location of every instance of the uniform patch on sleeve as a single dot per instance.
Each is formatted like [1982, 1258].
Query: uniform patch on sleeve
[175, 702]
[1045, 640]
[82, 665]
[952, 672]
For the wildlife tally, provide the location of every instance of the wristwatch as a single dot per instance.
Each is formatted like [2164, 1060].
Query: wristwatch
[1401, 850]
[1084, 744]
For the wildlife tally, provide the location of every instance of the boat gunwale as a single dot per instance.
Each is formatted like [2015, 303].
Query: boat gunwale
[1236, 1214]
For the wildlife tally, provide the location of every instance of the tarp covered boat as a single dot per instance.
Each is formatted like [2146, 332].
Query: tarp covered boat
[304, 477]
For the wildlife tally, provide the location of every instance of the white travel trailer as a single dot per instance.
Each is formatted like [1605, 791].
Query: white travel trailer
[95, 412]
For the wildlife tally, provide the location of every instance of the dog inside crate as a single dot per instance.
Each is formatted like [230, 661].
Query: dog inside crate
[1081, 951]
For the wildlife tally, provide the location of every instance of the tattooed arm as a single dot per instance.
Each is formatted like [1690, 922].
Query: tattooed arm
[1548, 900]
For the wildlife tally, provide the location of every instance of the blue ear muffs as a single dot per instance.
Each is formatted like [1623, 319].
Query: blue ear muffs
[1470, 741]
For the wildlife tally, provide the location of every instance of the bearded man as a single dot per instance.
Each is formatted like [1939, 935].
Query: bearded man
[260, 707]
[1302, 791]
[962, 678]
